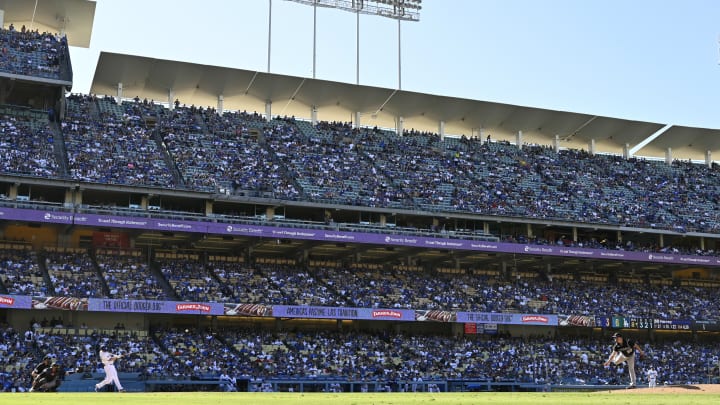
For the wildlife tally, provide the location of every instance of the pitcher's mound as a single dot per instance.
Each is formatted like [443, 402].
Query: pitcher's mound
[674, 389]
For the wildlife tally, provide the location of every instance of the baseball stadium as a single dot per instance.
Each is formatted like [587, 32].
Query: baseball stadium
[189, 232]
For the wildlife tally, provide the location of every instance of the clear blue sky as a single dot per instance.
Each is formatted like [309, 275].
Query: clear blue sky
[654, 60]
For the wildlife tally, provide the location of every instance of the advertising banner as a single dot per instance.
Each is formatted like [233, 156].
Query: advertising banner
[155, 307]
[576, 320]
[173, 225]
[315, 312]
[508, 319]
[480, 320]
[15, 301]
[56, 217]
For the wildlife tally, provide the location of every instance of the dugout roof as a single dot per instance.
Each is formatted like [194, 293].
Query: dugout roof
[201, 85]
[74, 17]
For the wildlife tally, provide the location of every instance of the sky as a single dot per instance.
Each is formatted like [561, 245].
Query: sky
[649, 60]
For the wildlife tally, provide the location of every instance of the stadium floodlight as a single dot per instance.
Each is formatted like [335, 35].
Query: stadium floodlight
[400, 10]
[405, 10]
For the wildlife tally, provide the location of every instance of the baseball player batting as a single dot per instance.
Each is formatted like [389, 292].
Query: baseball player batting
[111, 377]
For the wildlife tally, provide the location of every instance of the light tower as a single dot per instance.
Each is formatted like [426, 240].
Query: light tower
[400, 10]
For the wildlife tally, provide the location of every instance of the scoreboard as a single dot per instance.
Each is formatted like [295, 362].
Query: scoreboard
[674, 324]
[622, 322]
[635, 322]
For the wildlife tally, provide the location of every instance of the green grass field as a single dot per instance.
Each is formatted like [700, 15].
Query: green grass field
[174, 398]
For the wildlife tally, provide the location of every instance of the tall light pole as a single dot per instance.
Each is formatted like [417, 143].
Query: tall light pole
[269, 32]
[400, 10]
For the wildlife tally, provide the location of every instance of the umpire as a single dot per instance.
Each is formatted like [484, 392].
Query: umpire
[45, 363]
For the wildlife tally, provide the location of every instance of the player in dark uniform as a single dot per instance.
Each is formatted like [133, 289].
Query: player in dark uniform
[48, 380]
[45, 363]
[623, 351]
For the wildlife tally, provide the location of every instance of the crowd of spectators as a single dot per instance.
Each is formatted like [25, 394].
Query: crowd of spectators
[332, 162]
[537, 294]
[32, 53]
[115, 147]
[26, 143]
[219, 153]
[328, 165]
[245, 282]
[191, 281]
[300, 286]
[77, 351]
[20, 273]
[198, 354]
[389, 358]
[73, 274]
[581, 293]
[129, 277]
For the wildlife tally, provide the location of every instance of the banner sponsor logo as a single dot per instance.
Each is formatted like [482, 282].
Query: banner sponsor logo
[9, 301]
[193, 307]
[535, 319]
[174, 226]
[575, 252]
[57, 217]
[122, 222]
[483, 246]
[444, 243]
[393, 239]
[536, 249]
[386, 313]
[243, 229]
[612, 254]
[292, 233]
[655, 256]
[339, 236]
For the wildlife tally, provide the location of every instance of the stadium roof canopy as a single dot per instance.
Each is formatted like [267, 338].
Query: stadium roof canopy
[201, 85]
[72, 17]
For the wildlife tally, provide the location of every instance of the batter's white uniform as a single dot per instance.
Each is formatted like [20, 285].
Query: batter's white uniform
[111, 377]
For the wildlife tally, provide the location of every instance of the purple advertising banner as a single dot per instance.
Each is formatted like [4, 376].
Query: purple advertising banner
[319, 312]
[507, 319]
[58, 217]
[155, 307]
[314, 312]
[15, 301]
[169, 225]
